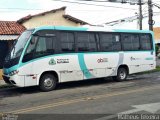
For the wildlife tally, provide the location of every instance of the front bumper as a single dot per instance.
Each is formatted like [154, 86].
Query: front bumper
[6, 79]
[14, 80]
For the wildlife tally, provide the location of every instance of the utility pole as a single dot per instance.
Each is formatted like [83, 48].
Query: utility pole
[140, 14]
[150, 14]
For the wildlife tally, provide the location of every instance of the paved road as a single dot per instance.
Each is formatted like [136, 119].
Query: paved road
[93, 99]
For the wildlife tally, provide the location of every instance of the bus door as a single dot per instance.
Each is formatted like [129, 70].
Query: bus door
[30, 77]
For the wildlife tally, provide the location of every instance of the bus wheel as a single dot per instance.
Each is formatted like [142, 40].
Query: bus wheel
[48, 82]
[121, 75]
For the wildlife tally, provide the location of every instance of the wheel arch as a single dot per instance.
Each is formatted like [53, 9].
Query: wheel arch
[124, 66]
[49, 72]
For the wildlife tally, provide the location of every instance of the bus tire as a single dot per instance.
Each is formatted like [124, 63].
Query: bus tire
[48, 82]
[122, 74]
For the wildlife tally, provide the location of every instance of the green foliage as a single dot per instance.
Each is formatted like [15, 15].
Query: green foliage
[157, 49]
[158, 56]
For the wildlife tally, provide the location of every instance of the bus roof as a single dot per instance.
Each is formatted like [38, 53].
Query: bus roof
[90, 28]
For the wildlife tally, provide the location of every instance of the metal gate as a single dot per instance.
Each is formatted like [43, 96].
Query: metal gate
[3, 51]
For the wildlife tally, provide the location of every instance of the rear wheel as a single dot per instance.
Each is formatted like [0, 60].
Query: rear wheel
[48, 82]
[121, 75]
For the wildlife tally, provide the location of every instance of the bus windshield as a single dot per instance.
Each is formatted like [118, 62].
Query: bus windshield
[19, 46]
[16, 51]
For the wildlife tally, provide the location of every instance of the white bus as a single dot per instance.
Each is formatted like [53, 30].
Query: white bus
[46, 56]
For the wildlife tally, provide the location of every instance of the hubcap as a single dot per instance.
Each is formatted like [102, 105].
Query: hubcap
[48, 83]
[122, 75]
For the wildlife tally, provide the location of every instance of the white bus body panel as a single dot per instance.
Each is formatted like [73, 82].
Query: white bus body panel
[86, 66]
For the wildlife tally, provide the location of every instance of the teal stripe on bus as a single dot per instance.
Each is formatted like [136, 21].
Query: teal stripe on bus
[83, 66]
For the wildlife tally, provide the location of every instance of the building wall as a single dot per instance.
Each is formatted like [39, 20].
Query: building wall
[0, 74]
[157, 34]
[49, 19]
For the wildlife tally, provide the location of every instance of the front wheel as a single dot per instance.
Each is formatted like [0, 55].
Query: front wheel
[121, 75]
[48, 82]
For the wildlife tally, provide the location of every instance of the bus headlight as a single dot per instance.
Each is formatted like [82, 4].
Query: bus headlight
[13, 72]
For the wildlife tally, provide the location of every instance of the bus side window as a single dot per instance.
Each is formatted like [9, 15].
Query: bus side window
[110, 42]
[45, 46]
[130, 42]
[39, 47]
[145, 41]
[67, 42]
[86, 42]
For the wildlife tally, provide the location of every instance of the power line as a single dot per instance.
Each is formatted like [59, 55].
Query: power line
[28, 9]
[92, 0]
[70, 2]
[14, 10]
[94, 4]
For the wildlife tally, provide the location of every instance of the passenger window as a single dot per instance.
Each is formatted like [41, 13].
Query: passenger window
[67, 42]
[146, 43]
[110, 42]
[130, 42]
[39, 47]
[45, 46]
[86, 42]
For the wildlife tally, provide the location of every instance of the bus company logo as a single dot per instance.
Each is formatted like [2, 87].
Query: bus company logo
[52, 62]
[102, 60]
[132, 58]
[59, 61]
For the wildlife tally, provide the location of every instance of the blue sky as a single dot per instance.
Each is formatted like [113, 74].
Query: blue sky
[12, 10]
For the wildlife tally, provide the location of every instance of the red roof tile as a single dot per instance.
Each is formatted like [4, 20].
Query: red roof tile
[11, 28]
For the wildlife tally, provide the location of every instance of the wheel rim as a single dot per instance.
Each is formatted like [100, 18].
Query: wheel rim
[48, 83]
[122, 74]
